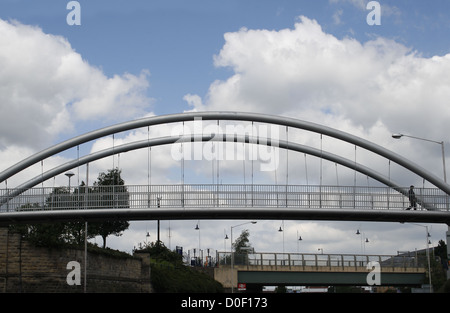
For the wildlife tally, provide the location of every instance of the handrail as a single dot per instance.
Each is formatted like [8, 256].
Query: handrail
[283, 260]
[219, 195]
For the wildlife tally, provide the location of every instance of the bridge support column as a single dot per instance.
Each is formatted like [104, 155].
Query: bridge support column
[223, 275]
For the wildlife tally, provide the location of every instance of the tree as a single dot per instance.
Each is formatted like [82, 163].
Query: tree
[242, 241]
[112, 193]
[438, 266]
[109, 192]
[241, 248]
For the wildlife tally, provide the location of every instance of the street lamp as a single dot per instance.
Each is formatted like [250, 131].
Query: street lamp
[428, 251]
[146, 237]
[281, 231]
[363, 235]
[299, 238]
[225, 245]
[69, 174]
[232, 253]
[398, 136]
[197, 227]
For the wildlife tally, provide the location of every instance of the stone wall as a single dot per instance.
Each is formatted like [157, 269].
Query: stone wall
[26, 268]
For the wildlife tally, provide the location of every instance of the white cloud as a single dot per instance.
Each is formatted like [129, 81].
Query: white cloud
[357, 87]
[367, 89]
[370, 89]
[46, 88]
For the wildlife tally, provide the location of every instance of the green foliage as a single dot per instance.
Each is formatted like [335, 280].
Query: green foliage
[51, 235]
[169, 275]
[242, 241]
[240, 254]
[114, 194]
[106, 228]
[158, 251]
[167, 278]
[109, 191]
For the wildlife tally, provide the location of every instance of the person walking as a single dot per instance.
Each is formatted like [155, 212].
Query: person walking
[412, 198]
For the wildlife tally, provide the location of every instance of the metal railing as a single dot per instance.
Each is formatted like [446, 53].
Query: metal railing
[219, 195]
[330, 261]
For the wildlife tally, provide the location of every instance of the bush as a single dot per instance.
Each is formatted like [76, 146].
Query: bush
[169, 274]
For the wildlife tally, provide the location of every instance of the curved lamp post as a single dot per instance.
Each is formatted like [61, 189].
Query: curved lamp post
[398, 136]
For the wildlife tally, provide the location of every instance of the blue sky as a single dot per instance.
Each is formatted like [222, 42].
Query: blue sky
[368, 80]
[176, 40]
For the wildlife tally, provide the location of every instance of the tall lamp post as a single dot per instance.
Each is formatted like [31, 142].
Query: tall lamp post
[69, 174]
[232, 253]
[427, 252]
[398, 136]
[197, 227]
[363, 251]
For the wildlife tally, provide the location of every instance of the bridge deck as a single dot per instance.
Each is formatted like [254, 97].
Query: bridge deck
[225, 201]
[318, 269]
[338, 262]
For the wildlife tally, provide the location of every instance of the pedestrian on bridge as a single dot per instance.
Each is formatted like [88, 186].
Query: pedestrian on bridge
[412, 198]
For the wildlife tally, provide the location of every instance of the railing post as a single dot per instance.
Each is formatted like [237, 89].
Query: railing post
[388, 196]
[262, 260]
[286, 191]
[276, 265]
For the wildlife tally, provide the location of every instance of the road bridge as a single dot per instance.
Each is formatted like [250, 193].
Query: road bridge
[303, 269]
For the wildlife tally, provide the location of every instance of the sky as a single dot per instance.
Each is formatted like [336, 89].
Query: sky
[318, 61]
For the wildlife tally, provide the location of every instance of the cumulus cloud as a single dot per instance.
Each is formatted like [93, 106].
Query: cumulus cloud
[46, 88]
[370, 89]
[357, 87]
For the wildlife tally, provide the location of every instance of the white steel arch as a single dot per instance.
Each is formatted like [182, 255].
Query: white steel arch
[233, 116]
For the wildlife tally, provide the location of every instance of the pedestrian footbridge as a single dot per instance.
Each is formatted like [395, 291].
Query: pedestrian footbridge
[222, 201]
[27, 202]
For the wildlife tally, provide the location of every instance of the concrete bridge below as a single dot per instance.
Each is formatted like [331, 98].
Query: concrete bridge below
[295, 269]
